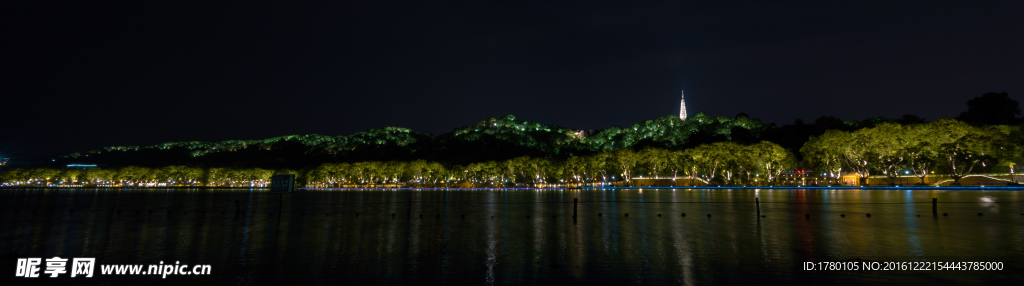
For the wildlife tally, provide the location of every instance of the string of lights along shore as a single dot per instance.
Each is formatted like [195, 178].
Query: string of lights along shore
[682, 105]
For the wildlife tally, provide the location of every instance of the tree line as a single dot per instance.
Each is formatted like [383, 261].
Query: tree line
[506, 138]
[724, 162]
[944, 146]
[140, 176]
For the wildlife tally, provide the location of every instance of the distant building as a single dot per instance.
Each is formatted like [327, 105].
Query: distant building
[81, 166]
[3, 161]
[682, 106]
[853, 180]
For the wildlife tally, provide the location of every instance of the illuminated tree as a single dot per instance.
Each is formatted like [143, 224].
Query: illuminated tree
[259, 177]
[856, 152]
[329, 174]
[392, 171]
[537, 169]
[178, 174]
[679, 162]
[709, 159]
[597, 165]
[575, 168]
[69, 176]
[491, 173]
[771, 159]
[961, 156]
[132, 174]
[825, 152]
[98, 176]
[518, 166]
[744, 163]
[416, 170]
[216, 177]
[925, 140]
[624, 161]
[885, 148]
[732, 158]
[436, 172]
[1006, 148]
[653, 160]
[15, 176]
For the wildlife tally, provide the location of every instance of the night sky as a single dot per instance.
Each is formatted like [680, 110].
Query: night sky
[81, 76]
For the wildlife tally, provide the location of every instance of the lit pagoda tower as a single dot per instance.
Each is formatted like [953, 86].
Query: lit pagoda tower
[682, 106]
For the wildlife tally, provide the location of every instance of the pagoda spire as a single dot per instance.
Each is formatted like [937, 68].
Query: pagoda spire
[682, 106]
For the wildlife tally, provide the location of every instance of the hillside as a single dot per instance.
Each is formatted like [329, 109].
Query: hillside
[492, 139]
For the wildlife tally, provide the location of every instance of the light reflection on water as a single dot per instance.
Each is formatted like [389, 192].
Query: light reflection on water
[319, 238]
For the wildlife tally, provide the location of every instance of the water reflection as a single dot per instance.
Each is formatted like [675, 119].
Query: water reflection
[317, 236]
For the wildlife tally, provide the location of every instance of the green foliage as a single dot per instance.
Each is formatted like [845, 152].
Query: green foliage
[703, 163]
[771, 159]
[508, 151]
[828, 152]
[952, 147]
[886, 148]
[326, 144]
[544, 139]
[670, 131]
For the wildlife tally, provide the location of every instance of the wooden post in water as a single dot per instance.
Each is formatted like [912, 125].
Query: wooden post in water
[935, 206]
[757, 203]
[574, 202]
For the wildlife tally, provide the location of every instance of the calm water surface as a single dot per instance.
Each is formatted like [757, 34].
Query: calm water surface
[339, 236]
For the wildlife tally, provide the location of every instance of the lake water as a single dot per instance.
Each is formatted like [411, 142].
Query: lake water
[350, 236]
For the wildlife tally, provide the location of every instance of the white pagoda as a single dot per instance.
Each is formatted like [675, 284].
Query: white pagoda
[682, 106]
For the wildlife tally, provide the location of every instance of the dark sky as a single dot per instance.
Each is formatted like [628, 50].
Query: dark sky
[82, 76]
